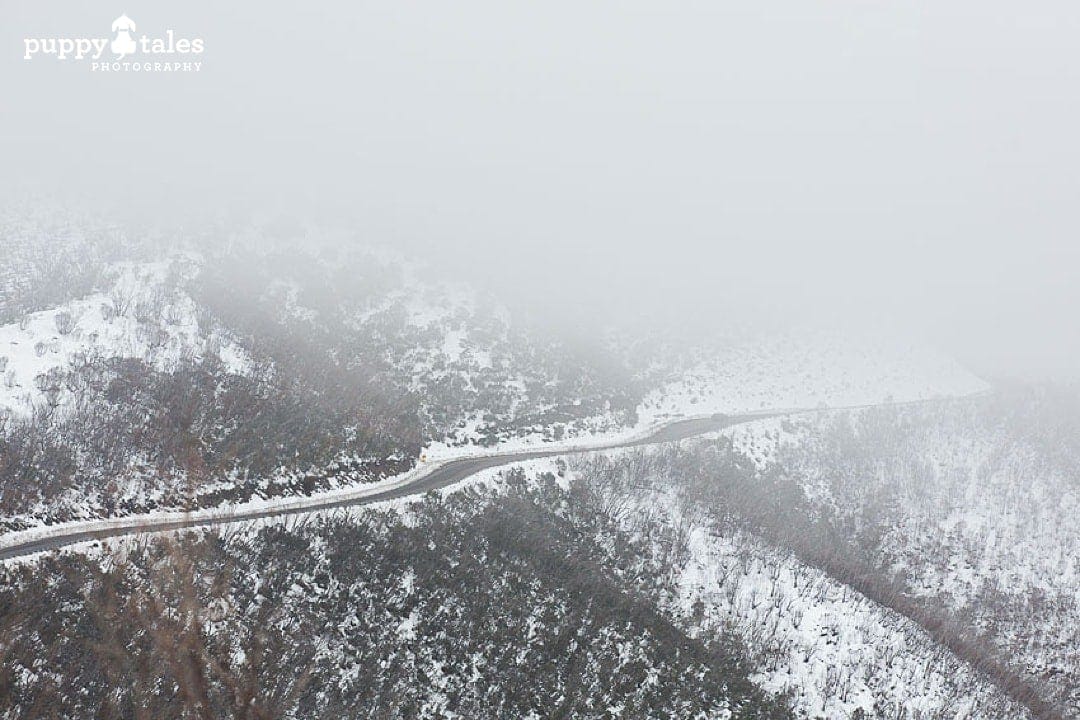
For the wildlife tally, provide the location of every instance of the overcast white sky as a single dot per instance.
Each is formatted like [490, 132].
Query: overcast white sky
[913, 160]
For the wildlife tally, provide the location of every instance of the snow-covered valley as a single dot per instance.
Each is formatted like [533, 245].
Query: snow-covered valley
[858, 553]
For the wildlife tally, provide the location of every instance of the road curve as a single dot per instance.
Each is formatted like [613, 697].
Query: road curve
[451, 472]
[1012, 683]
[446, 474]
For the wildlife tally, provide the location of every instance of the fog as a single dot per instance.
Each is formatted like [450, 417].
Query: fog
[911, 164]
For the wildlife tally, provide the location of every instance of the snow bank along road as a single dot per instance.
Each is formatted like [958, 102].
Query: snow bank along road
[453, 471]
[440, 476]
[433, 477]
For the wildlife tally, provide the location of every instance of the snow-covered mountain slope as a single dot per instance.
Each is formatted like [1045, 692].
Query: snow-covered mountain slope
[835, 652]
[511, 604]
[969, 506]
[141, 313]
[248, 364]
[809, 368]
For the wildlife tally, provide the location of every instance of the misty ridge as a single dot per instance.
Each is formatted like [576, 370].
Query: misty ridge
[615, 360]
[912, 163]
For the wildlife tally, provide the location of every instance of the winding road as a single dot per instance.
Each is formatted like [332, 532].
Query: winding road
[440, 476]
[998, 671]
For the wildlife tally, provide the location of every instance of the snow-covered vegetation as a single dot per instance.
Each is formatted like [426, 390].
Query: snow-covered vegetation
[970, 508]
[735, 555]
[141, 314]
[683, 581]
[236, 364]
[522, 603]
[899, 561]
[807, 369]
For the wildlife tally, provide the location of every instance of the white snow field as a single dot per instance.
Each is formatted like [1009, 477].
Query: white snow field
[141, 316]
[810, 368]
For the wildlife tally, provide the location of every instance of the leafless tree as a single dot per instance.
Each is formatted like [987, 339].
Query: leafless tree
[122, 299]
[65, 322]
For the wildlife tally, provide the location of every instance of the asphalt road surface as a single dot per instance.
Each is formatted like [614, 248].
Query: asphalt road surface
[448, 474]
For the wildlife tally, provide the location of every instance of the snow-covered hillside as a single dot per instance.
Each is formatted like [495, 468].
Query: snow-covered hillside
[835, 652]
[375, 368]
[219, 374]
[809, 368]
[516, 603]
[141, 313]
[969, 506]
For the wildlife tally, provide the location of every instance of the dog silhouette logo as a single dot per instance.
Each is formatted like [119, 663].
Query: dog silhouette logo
[123, 44]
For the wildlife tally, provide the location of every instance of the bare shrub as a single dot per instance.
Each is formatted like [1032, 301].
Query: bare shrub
[151, 308]
[122, 300]
[65, 322]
